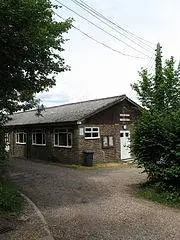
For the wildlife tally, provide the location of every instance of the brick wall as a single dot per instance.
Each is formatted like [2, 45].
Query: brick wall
[47, 152]
[66, 155]
[101, 154]
[16, 149]
[109, 123]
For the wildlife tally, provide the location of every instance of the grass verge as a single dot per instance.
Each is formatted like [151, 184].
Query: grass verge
[153, 193]
[11, 202]
[96, 165]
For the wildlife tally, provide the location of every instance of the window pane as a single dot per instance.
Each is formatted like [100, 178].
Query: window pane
[91, 132]
[127, 134]
[94, 134]
[105, 141]
[17, 137]
[21, 138]
[44, 138]
[62, 139]
[69, 139]
[39, 138]
[56, 139]
[87, 134]
[88, 129]
[111, 141]
[34, 138]
[25, 137]
[121, 134]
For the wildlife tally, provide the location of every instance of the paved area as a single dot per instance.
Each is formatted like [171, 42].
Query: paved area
[95, 204]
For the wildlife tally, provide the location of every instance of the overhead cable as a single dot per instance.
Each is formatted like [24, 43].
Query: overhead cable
[110, 25]
[101, 43]
[140, 39]
[102, 29]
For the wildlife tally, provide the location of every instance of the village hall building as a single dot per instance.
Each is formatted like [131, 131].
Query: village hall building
[63, 133]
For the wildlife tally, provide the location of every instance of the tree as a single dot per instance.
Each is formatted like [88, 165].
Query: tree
[30, 45]
[160, 91]
[156, 137]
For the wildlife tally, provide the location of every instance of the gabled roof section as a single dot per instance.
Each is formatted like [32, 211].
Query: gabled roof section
[65, 113]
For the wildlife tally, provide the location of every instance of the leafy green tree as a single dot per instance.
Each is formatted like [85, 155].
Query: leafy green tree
[156, 137]
[160, 91]
[31, 42]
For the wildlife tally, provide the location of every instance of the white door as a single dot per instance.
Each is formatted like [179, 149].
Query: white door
[125, 145]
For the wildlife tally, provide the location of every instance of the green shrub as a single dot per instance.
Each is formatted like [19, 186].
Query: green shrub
[157, 193]
[10, 199]
[4, 156]
[156, 146]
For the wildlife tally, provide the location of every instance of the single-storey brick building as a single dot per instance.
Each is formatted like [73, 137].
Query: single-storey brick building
[64, 132]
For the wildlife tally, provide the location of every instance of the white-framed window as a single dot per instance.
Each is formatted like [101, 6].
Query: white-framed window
[62, 138]
[107, 141]
[39, 138]
[92, 133]
[21, 137]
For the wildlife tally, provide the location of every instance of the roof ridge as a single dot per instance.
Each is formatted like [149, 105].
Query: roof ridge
[67, 104]
[91, 100]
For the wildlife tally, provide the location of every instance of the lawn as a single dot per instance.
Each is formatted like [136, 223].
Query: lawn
[11, 202]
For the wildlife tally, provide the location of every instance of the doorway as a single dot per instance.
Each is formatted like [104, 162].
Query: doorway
[125, 145]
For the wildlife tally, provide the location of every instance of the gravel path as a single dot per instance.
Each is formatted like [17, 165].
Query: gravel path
[91, 204]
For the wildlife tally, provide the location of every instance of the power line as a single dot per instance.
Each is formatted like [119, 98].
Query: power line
[97, 16]
[118, 26]
[99, 42]
[102, 29]
[150, 63]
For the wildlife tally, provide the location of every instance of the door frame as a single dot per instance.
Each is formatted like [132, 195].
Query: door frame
[129, 154]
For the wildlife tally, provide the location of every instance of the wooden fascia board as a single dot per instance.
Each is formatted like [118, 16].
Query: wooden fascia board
[110, 105]
[101, 109]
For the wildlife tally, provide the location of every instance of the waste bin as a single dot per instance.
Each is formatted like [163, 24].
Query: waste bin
[88, 158]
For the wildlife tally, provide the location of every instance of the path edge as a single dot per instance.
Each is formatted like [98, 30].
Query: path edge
[40, 215]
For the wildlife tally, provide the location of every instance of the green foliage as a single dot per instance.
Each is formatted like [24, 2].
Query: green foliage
[31, 43]
[10, 199]
[156, 145]
[4, 157]
[159, 194]
[161, 91]
[156, 137]
[30, 46]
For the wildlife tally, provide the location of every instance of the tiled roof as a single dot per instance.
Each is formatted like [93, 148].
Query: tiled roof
[64, 113]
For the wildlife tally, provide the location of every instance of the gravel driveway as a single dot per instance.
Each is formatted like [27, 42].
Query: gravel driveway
[92, 204]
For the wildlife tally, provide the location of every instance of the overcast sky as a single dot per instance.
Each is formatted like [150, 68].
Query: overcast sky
[96, 71]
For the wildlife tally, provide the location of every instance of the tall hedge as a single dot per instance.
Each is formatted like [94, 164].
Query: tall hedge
[156, 145]
[156, 138]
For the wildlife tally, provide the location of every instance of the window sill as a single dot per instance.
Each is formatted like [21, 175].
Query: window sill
[62, 146]
[108, 147]
[34, 144]
[18, 143]
[91, 138]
